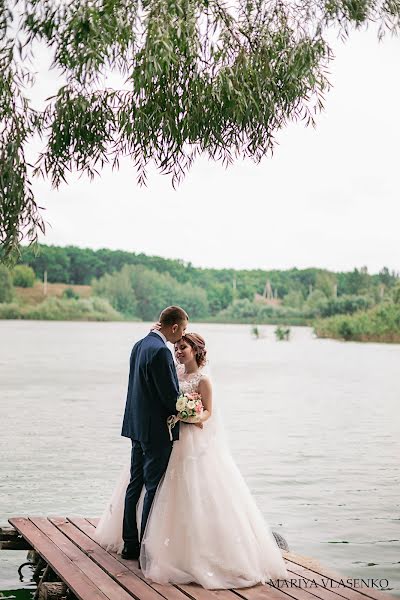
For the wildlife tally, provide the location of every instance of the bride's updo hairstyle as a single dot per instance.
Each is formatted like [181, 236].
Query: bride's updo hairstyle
[199, 346]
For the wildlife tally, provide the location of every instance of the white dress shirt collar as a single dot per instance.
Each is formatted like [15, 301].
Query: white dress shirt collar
[162, 336]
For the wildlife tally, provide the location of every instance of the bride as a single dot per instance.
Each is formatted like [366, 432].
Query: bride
[204, 526]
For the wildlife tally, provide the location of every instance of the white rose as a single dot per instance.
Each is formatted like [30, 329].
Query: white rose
[180, 404]
[191, 404]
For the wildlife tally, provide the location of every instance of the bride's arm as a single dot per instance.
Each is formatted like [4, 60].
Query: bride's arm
[205, 390]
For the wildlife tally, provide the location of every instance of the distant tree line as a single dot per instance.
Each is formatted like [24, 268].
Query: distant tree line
[75, 265]
[347, 305]
[126, 285]
[156, 281]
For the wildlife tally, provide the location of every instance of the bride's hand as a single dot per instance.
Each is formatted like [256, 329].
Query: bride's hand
[200, 425]
[156, 326]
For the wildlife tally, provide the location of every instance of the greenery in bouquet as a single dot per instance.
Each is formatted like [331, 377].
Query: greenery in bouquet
[189, 407]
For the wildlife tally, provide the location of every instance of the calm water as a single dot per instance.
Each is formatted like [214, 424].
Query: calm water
[313, 424]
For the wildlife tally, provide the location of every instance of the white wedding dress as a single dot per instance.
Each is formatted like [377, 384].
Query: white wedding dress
[204, 525]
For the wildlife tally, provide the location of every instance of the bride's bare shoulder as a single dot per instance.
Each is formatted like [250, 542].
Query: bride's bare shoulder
[205, 382]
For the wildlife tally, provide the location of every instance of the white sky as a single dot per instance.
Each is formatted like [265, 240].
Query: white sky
[328, 198]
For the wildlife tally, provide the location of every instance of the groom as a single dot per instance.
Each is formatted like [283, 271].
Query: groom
[152, 393]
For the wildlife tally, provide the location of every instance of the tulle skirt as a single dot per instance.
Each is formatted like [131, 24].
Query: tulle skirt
[204, 525]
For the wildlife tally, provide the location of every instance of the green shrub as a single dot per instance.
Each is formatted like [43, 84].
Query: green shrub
[315, 301]
[70, 294]
[245, 311]
[10, 311]
[282, 333]
[6, 286]
[381, 323]
[87, 309]
[344, 305]
[23, 276]
[294, 299]
[345, 329]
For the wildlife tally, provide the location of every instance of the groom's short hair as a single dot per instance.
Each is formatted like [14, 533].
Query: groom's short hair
[173, 315]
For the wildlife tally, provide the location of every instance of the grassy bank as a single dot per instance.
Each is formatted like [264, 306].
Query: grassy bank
[98, 309]
[35, 295]
[379, 324]
[58, 302]
[32, 303]
[64, 302]
[59, 309]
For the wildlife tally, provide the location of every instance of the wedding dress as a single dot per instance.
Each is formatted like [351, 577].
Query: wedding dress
[204, 525]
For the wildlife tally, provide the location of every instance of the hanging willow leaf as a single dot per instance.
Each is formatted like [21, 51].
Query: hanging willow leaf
[201, 77]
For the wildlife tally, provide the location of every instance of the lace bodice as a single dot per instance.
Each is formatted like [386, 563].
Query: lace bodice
[188, 383]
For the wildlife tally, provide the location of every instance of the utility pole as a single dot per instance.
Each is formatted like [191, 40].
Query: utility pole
[268, 294]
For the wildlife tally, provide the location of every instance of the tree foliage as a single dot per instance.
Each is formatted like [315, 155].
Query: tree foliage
[198, 76]
[211, 290]
[6, 286]
[23, 276]
[118, 290]
[379, 324]
[139, 292]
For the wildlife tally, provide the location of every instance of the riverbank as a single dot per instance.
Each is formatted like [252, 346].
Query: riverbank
[380, 324]
[61, 309]
[96, 309]
[57, 302]
[62, 302]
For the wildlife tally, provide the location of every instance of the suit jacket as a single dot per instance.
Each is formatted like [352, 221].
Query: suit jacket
[152, 393]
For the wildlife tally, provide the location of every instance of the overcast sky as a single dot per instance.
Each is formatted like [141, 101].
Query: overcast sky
[328, 198]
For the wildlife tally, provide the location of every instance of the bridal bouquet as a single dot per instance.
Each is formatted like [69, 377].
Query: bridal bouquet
[189, 407]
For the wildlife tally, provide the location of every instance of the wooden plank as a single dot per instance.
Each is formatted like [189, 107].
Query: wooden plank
[192, 590]
[175, 592]
[260, 592]
[118, 571]
[309, 569]
[277, 593]
[199, 593]
[311, 576]
[102, 580]
[346, 590]
[81, 586]
[10, 539]
[168, 591]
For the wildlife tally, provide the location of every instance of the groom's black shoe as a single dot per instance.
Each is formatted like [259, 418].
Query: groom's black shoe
[130, 551]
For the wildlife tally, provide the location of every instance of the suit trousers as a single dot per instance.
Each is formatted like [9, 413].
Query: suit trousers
[148, 465]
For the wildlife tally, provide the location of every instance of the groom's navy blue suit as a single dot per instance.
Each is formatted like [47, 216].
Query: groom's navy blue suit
[152, 392]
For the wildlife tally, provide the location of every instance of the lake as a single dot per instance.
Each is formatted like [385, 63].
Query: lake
[313, 425]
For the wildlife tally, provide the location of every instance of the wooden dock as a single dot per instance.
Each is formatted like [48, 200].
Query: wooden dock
[70, 564]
